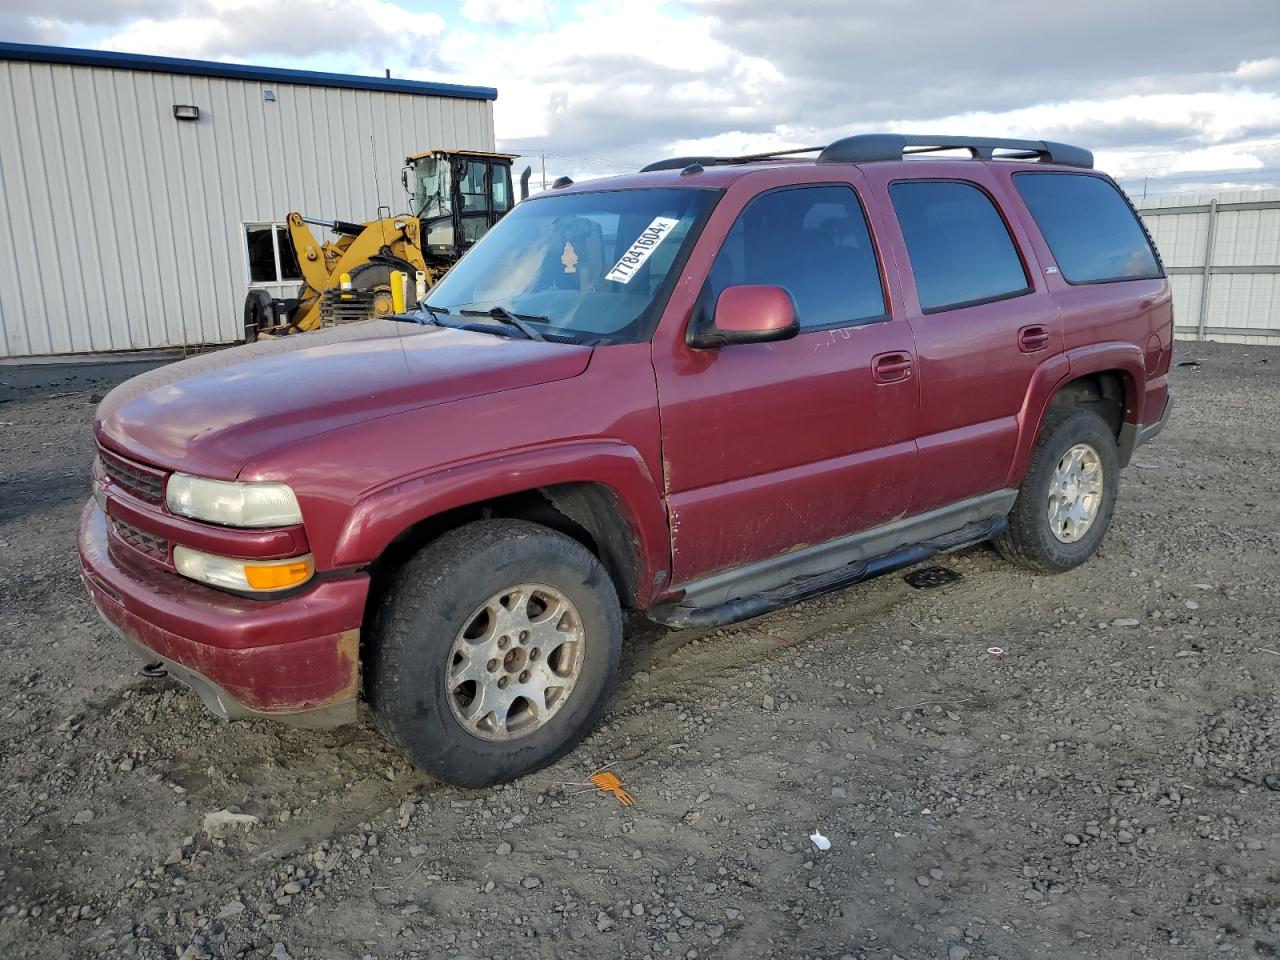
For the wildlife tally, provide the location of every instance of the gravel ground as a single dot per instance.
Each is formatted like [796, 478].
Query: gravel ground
[1010, 766]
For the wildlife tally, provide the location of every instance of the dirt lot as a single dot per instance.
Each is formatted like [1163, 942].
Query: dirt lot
[1011, 766]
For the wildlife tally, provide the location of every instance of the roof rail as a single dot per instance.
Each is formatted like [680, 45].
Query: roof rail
[870, 147]
[679, 163]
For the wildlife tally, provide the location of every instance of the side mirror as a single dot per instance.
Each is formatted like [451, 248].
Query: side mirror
[749, 313]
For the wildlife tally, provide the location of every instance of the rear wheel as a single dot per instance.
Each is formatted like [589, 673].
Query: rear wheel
[494, 652]
[1068, 495]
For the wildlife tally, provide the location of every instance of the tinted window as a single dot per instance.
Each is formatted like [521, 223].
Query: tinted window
[814, 242]
[1089, 227]
[960, 249]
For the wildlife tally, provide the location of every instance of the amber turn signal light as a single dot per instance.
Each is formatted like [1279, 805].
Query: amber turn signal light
[278, 576]
[257, 576]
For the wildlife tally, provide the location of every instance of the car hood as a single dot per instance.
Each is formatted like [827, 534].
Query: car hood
[211, 414]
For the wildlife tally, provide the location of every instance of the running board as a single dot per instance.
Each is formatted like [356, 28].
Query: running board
[803, 588]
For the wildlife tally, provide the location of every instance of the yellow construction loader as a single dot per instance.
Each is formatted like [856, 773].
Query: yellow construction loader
[454, 196]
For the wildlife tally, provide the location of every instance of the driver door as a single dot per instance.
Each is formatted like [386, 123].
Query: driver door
[769, 447]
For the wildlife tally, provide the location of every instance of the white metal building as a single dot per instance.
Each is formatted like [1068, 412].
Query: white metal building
[1222, 254]
[138, 194]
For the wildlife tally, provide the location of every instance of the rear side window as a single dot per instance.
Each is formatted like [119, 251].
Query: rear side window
[960, 249]
[1091, 230]
[814, 242]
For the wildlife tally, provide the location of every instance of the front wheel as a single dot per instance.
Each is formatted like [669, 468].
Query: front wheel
[1068, 495]
[494, 652]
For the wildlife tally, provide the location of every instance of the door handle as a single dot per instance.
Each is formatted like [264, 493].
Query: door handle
[1033, 339]
[891, 367]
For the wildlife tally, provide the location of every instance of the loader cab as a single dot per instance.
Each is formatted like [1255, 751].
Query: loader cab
[458, 195]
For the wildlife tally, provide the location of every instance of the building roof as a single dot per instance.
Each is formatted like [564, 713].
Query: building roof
[36, 53]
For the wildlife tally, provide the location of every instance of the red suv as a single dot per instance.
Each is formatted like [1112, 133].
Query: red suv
[702, 392]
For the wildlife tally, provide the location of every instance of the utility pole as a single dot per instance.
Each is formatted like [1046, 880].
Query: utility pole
[1144, 187]
[544, 171]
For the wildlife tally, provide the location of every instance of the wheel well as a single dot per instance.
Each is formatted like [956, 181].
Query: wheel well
[587, 512]
[1105, 393]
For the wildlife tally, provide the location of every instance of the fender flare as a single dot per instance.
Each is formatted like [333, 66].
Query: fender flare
[382, 515]
[1052, 375]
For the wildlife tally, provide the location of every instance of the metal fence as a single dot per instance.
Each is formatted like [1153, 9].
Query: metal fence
[1222, 254]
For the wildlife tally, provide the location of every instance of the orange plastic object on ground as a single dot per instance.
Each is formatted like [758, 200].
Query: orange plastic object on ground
[609, 783]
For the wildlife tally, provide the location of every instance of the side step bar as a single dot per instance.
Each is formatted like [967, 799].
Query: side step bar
[803, 588]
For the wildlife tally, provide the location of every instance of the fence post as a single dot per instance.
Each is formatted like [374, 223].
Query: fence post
[1208, 260]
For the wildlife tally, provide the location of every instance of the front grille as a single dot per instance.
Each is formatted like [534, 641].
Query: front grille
[143, 482]
[140, 540]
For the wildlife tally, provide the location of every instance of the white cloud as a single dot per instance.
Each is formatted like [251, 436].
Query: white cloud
[86, 11]
[511, 13]
[1219, 185]
[1267, 69]
[28, 29]
[276, 29]
[1215, 158]
[616, 84]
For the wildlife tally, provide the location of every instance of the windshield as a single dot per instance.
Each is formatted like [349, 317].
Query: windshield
[430, 187]
[587, 266]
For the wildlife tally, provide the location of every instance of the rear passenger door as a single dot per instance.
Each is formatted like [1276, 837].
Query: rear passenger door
[770, 446]
[982, 319]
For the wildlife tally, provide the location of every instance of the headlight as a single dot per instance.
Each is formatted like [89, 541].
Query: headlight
[250, 576]
[233, 504]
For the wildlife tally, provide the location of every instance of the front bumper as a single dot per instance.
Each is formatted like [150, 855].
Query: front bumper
[294, 659]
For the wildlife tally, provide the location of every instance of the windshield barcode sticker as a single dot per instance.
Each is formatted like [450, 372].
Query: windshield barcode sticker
[641, 250]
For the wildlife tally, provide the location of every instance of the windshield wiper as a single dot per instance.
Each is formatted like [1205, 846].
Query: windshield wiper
[516, 320]
[434, 312]
[425, 314]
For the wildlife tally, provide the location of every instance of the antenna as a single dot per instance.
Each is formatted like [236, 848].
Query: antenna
[377, 188]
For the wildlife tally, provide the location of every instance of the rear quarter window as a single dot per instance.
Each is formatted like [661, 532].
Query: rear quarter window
[1092, 232]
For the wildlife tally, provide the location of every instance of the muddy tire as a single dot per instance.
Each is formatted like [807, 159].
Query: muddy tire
[1068, 495]
[494, 652]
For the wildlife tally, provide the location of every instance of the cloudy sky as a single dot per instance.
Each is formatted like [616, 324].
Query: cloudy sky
[1173, 95]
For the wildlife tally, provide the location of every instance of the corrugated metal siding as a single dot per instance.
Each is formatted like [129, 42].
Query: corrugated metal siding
[125, 226]
[1180, 239]
[1242, 307]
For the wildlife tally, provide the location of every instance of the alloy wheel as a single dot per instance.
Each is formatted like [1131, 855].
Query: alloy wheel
[1075, 493]
[515, 662]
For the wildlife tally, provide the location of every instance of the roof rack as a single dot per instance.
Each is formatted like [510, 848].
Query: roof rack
[872, 147]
